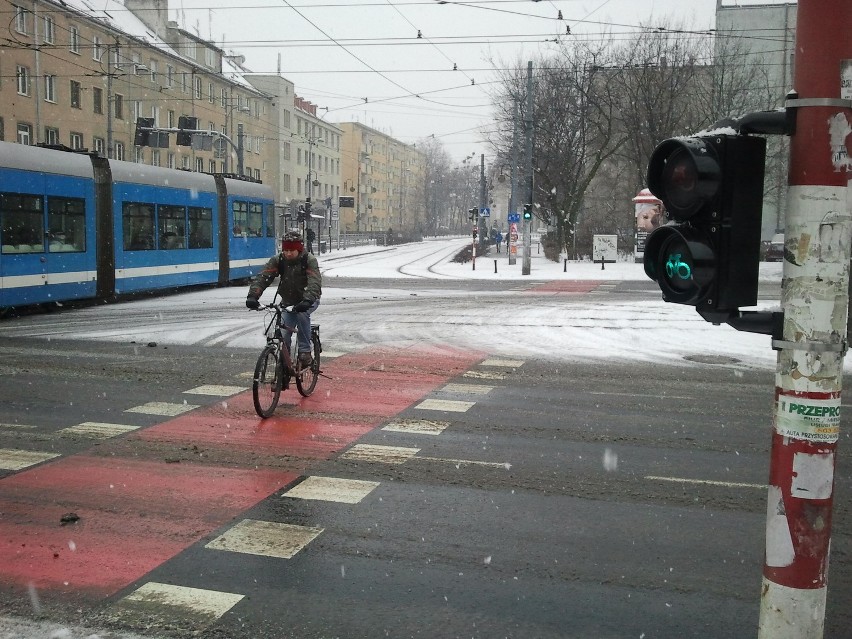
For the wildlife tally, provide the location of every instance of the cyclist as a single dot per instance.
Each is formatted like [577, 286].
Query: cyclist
[300, 285]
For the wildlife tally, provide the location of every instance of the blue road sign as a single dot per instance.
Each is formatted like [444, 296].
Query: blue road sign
[514, 217]
[485, 212]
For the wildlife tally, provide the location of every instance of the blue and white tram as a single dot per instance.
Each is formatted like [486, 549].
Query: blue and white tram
[47, 232]
[76, 226]
[251, 226]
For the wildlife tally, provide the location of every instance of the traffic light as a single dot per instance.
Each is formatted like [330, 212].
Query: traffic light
[527, 211]
[142, 135]
[300, 215]
[187, 125]
[712, 189]
[472, 213]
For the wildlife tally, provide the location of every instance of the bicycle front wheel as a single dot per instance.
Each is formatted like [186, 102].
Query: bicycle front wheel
[306, 380]
[266, 388]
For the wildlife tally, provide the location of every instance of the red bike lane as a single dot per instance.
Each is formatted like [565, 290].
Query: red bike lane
[143, 498]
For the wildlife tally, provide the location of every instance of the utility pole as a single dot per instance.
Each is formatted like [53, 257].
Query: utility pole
[513, 186]
[814, 300]
[528, 130]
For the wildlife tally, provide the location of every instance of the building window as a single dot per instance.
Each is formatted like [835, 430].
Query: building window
[170, 160]
[21, 20]
[153, 70]
[25, 133]
[118, 105]
[170, 76]
[171, 122]
[97, 100]
[23, 74]
[76, 140]
[99, 145]
[138, 154]
[199, 165]
[257, 174]
[198, 91]
[50, 88]
[97, 49]
[211, 97]
[137, 109]
[119, 151]
[184, 82]
[74, 42]
[49, 30]
[285, 182]
[75, 94]
[223, 98]
[211, 166]
[2, 130]
[155, 157]
[184, 162]
[51, 135]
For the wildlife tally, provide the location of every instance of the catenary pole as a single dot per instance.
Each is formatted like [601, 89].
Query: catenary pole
[814, 300]
[528, 126]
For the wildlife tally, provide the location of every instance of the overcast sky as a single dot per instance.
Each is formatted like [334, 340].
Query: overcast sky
[363, 60]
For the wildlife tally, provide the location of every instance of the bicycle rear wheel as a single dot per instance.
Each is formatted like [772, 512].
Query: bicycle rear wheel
[266, 388]
[306, 380]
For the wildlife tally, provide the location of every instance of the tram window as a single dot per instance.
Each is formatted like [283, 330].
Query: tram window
[270, 222]
[172, 227]
[200, 228]
[255, 219]
[240, 219]
[21, 223]
[138, 226]
[66, 223]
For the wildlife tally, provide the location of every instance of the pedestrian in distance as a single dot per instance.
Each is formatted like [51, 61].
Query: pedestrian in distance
[498, 240]
[299, 286]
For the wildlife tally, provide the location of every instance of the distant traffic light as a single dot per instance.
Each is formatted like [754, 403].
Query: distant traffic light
[527, 211]
[472, 213]
[187, 125]
[142, 135]
[712, 188]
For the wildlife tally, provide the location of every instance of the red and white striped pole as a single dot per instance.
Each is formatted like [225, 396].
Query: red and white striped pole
[818, 233]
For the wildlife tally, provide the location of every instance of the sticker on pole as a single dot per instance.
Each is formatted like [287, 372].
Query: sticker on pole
[815, 419]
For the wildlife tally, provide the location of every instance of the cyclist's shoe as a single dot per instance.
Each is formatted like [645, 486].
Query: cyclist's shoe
[305, 360]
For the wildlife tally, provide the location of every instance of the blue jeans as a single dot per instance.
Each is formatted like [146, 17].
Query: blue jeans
[303, 320]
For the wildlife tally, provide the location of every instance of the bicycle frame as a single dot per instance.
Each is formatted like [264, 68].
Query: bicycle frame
[276, 366]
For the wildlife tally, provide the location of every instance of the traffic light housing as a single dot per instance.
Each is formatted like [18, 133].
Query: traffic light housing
[300, 215]
[142, 135]
[712, 189]
[472, 213]
[527, 211]
[187, 125]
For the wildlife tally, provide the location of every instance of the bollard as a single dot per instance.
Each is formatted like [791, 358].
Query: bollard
[565, 265]
[495, 266]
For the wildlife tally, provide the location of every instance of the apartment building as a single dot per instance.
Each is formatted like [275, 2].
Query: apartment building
[80, 77]
[385, 179]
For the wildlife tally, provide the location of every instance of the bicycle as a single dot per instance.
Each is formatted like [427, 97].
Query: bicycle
[275, 367]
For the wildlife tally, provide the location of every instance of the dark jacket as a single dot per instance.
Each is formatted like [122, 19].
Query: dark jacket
[300, 278]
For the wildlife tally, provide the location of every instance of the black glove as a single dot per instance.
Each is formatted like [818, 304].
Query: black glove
[301, 307]
[253, 303]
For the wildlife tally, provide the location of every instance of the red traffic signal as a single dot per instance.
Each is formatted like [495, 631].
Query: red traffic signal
[686, 174]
